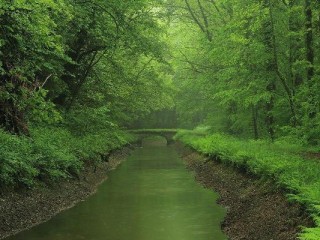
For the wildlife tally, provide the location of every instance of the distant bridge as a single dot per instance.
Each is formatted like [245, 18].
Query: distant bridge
[165, 133]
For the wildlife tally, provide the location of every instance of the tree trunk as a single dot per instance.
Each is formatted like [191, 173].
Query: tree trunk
[255, 122]
[269, 108]
[309, 39]
[280, 75]
[310, 58]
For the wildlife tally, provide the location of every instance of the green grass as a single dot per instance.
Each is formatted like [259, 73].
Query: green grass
[279, 161]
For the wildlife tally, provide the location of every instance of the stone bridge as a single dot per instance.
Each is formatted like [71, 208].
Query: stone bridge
[144, 133]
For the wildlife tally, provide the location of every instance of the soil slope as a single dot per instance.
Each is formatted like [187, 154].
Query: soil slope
[256, 209]
[24, 209]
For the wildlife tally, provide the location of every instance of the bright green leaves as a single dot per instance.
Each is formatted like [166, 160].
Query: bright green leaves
[31, 50]
[41, 111]
[254, 69]
[72, 47]
[71, 74]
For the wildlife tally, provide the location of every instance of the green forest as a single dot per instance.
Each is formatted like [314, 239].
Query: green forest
[242, 78]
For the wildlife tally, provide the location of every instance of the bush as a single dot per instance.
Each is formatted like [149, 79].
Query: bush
[16, 160]
[55, 158]
[52, 153]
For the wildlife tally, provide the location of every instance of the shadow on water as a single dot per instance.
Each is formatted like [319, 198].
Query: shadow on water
[154, 141]
[150, 197]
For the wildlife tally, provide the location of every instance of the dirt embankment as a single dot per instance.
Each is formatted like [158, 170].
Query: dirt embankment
[256, 210]
[20, 210]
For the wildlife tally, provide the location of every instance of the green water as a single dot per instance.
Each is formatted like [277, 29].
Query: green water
[151, 196]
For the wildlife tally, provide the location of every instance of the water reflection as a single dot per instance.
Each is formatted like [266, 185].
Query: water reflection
[150, 197]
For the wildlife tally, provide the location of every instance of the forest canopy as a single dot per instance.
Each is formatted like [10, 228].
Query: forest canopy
[73, 74]
[82, 71]
[248, 68]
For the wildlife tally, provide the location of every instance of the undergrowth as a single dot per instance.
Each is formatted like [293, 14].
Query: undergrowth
[50, 154]
[280, 161]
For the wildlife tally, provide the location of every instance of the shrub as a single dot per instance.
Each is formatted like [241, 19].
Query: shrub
[52, 153]
[16, 160]
[55, 158]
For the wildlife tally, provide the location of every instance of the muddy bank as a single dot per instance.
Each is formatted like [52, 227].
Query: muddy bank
[26, 208]
[256, 210]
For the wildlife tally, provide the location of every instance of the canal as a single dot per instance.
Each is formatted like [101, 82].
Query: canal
[151, 196]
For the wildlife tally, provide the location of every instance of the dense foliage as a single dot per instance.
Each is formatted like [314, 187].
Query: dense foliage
[72, 74]
[52, 154]
[248, 68]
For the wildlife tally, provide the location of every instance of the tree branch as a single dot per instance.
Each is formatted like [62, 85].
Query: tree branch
[194, 17]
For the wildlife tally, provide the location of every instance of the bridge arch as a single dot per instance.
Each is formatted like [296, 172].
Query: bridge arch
[141, 134]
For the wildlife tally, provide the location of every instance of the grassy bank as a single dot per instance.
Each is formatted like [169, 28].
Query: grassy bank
[279, 161]
[51, 154]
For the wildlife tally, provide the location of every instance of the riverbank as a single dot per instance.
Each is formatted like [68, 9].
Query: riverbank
[256, 210]
[282, 162]
[21, 210]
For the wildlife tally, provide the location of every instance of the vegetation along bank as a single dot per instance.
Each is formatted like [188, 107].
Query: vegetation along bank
[255, 208]
[279, 163]
[25, 208]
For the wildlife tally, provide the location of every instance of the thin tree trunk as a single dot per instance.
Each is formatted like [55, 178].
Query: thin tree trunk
[269, 107]
[310, 57]
[255, 122]
[309, 39]
[280, 75]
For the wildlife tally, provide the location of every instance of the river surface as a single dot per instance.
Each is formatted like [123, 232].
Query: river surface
[151, 196]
